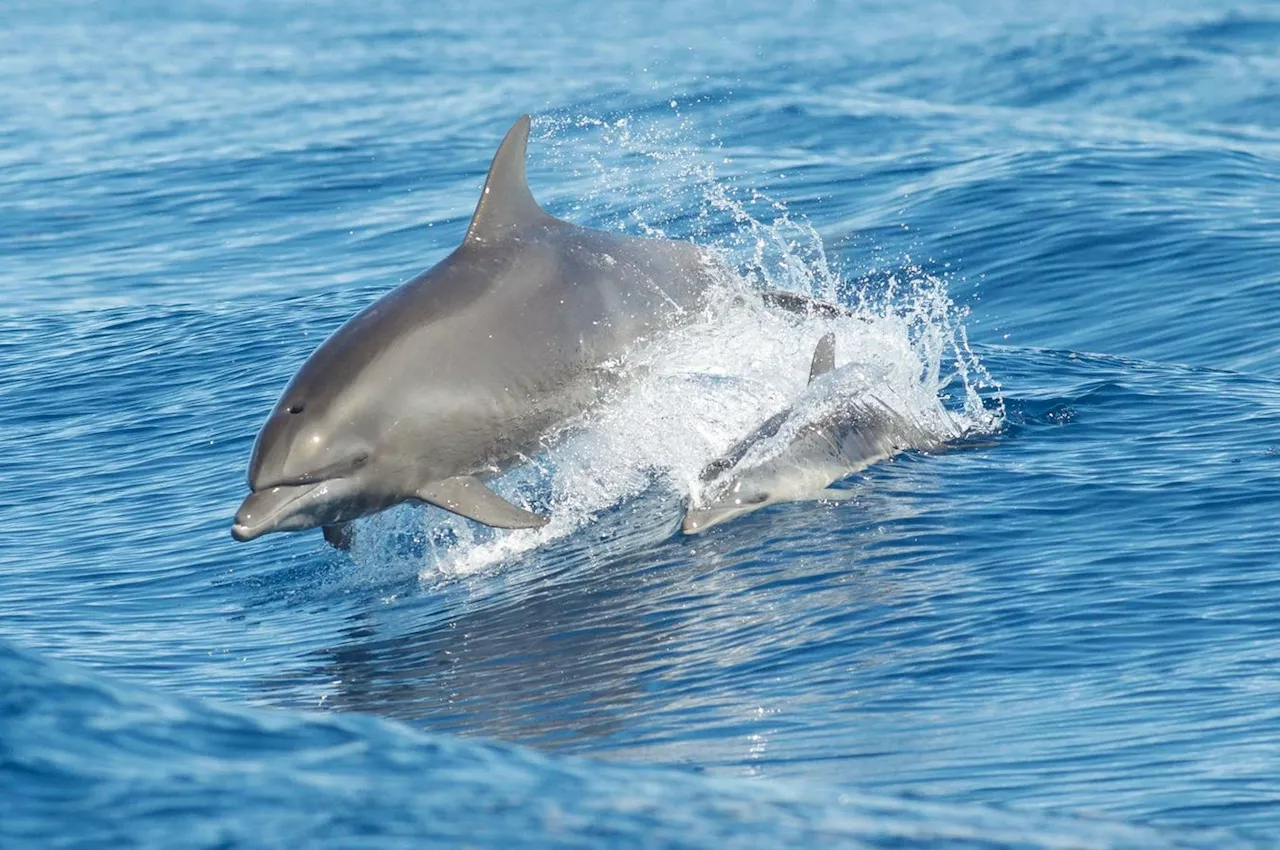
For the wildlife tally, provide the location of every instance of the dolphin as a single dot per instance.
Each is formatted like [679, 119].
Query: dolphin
[463, 371]
[829, 433]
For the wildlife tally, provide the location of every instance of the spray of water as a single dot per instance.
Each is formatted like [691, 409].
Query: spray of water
[693, 393]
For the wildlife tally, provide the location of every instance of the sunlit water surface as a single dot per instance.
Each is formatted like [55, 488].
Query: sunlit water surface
[1055, 225]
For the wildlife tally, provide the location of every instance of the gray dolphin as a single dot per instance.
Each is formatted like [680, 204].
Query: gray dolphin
[459, 373]
[829, 433]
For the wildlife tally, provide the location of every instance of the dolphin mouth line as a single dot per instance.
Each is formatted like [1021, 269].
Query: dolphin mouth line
[246, 531]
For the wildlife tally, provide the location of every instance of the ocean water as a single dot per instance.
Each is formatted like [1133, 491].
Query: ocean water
[1056, 226]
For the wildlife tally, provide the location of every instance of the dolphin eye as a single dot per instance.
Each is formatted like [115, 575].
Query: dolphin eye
[360, 460]
[297, 408]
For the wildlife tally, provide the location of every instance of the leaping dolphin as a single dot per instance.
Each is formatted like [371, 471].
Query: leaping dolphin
[457, 374]
[795, 456]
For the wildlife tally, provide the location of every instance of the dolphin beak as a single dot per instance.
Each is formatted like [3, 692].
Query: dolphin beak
[274, 509]
[691, 524]
[696, 521]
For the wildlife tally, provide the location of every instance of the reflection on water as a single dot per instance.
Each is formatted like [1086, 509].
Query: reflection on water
[634, 638]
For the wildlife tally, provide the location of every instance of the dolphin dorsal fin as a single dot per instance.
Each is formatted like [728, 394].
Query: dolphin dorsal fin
[824, 357]
[506, 200]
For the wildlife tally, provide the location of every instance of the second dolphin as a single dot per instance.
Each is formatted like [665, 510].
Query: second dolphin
[830, 433]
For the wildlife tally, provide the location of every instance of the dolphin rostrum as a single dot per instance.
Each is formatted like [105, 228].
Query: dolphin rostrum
[796, 454]
[459, 373]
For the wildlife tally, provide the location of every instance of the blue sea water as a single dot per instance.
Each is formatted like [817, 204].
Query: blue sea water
[1064, 632]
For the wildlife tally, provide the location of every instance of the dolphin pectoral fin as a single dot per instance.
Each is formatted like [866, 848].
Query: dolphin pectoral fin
[340, 535]
[739, 450]
[832, 495]
[466, 495]
[824, 357]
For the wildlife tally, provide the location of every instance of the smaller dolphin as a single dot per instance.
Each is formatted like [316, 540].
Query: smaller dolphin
[797, 453]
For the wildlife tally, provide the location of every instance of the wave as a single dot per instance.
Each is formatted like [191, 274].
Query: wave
[138, 768]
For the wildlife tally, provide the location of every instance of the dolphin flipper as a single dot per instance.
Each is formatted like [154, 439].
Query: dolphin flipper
[466, 495]
[824, 357]
[340, 535]
[730, 458]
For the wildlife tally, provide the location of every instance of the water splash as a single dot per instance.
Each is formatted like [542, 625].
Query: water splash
[693, 393]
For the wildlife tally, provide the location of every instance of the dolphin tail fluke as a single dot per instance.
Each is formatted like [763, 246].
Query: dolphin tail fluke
[803, 305]
[466, 495]
[824, 357]
[340, 535]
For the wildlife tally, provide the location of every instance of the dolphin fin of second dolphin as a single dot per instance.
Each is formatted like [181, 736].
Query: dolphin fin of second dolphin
[824, 357]
[466, 495]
